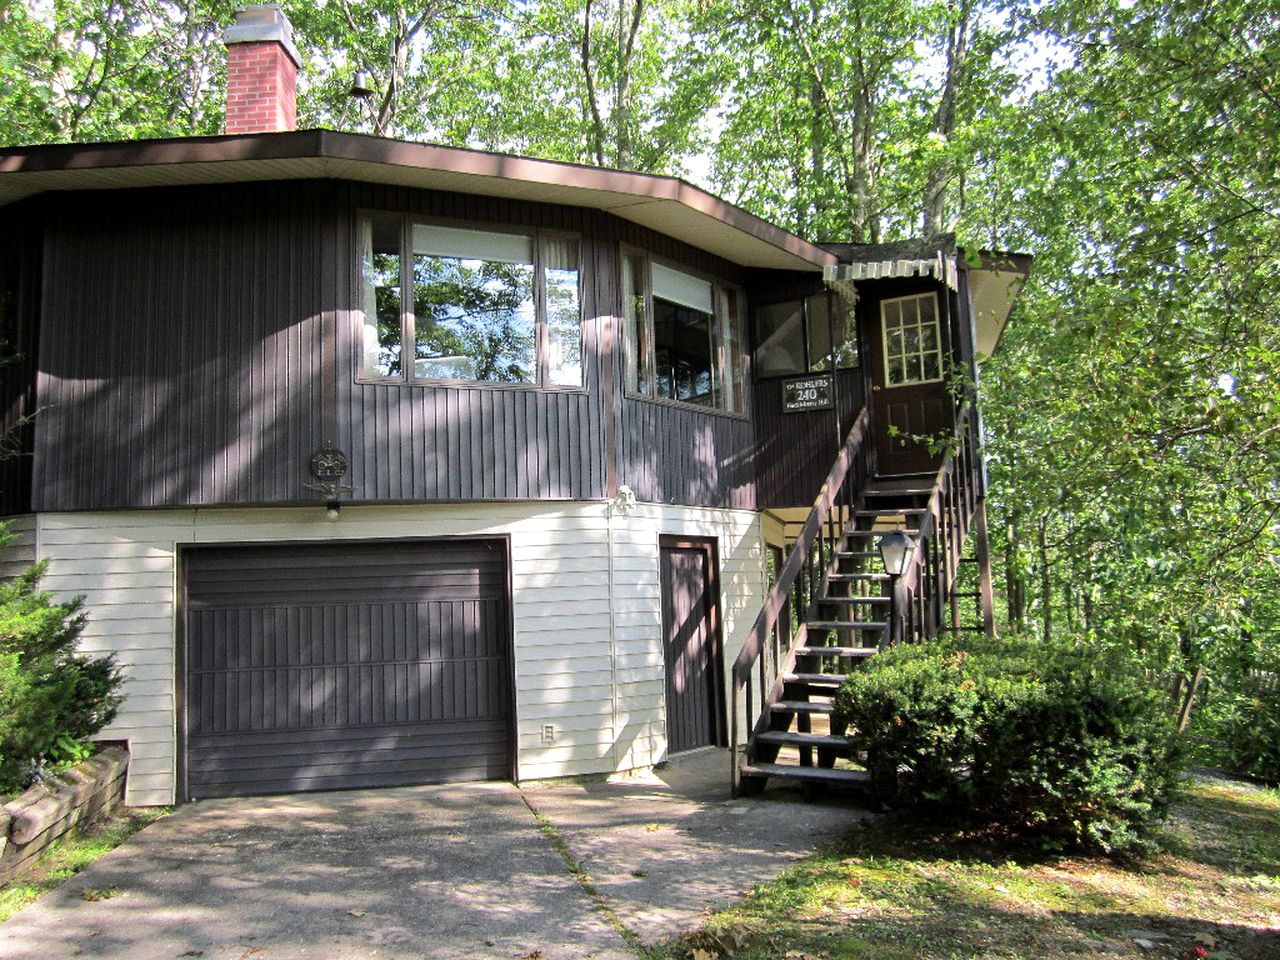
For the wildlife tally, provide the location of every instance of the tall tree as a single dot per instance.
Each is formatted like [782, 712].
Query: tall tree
[1148, 345]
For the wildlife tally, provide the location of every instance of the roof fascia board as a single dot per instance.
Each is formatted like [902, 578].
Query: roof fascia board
[630, 188]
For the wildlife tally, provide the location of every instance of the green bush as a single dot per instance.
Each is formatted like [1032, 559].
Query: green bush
[1062, 740]
[1240, 730]
[52, 699]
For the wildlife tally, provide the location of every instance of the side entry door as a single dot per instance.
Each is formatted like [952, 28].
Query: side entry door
[692, 644]
[909, 352]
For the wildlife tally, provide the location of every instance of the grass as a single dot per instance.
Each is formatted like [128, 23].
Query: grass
[70, 854]
[902, 890]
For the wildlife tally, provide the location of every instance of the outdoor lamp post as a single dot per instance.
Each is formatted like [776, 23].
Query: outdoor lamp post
[895, 547]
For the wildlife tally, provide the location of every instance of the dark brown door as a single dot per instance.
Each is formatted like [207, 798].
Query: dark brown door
[326, 666]
[910, 360]
[691, 627]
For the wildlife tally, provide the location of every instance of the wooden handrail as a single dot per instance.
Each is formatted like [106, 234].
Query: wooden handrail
[800, 580]
[944, 528]
[794, 563]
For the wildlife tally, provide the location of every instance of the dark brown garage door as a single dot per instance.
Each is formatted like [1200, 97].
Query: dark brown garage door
[321, 667]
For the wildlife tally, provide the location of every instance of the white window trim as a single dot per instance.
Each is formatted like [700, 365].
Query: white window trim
[719, 288]
[884, 341]
[406, 378]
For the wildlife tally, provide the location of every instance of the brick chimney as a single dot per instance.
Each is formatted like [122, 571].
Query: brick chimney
[262, 71]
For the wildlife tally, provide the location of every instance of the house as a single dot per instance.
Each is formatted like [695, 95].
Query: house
[383, 463]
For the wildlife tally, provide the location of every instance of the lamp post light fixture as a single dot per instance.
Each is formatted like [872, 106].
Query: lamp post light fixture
[361, 85]
[895, 549]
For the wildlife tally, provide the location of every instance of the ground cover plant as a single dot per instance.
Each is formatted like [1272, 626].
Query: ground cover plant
[1058, 738]
[911, 888]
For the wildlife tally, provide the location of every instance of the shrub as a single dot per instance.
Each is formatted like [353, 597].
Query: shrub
[1240, 730]
[1065, 741]
[52, 699]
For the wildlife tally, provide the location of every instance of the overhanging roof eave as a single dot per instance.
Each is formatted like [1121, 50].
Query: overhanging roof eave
[324, 152]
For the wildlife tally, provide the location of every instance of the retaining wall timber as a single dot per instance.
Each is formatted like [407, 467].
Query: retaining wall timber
[29, 823]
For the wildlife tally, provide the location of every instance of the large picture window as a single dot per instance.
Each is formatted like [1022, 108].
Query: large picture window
[480, 306]
[805, 336]
[683, 332]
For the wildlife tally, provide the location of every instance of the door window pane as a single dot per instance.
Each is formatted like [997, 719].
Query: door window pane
[912, 340]
[381, 334]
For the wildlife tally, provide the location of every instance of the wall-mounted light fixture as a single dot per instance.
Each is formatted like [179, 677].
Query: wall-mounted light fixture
[328, 466]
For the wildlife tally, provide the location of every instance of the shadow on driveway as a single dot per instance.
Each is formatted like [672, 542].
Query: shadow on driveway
[443, 872]
[668, 846]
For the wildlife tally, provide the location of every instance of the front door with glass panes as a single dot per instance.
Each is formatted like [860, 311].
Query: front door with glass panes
[909, 362]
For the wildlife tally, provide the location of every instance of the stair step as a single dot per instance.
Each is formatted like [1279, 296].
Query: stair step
[836, 651]
[873, 538]
[815, 678]
[892, 512]
[904, 492]
[790, 739]
[858, 576]
[846, 624]
[817, 774]
[858, 553]
[856, 600]
[803, 706]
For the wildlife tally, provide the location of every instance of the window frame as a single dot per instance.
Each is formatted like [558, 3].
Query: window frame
[941, 349]
[406, 378]
[833, 298]
[719, 288]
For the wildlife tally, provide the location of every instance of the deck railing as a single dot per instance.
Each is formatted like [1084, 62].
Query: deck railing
[756, 679]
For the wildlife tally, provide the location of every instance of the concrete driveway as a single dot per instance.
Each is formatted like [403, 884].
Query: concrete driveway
[448, 872]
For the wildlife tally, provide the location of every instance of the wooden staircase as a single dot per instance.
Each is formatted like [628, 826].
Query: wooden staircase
[850, 625]
[832, 609]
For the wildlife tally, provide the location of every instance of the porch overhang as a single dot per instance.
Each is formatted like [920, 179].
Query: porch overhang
[995, 279]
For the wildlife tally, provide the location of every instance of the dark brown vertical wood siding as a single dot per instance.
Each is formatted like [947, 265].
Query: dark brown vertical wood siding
[326, 666]
[179, 356]
[796, 450]
[200, 343]
[21, 252]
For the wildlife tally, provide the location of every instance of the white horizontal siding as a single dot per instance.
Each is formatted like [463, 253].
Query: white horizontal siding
[637, 607]
[20, 552]
[586, 608]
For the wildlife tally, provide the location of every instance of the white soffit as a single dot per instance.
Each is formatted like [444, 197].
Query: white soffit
[993, 294]
[665, 215]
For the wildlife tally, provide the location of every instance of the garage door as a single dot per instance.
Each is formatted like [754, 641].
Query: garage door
[322, 667]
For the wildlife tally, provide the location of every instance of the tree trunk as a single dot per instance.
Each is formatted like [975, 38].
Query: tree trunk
[1013, 589]
[1046, 593]
[628, 28]
[584, 51]
[944, 121]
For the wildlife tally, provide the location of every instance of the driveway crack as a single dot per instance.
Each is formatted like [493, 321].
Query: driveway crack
[578, 871]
